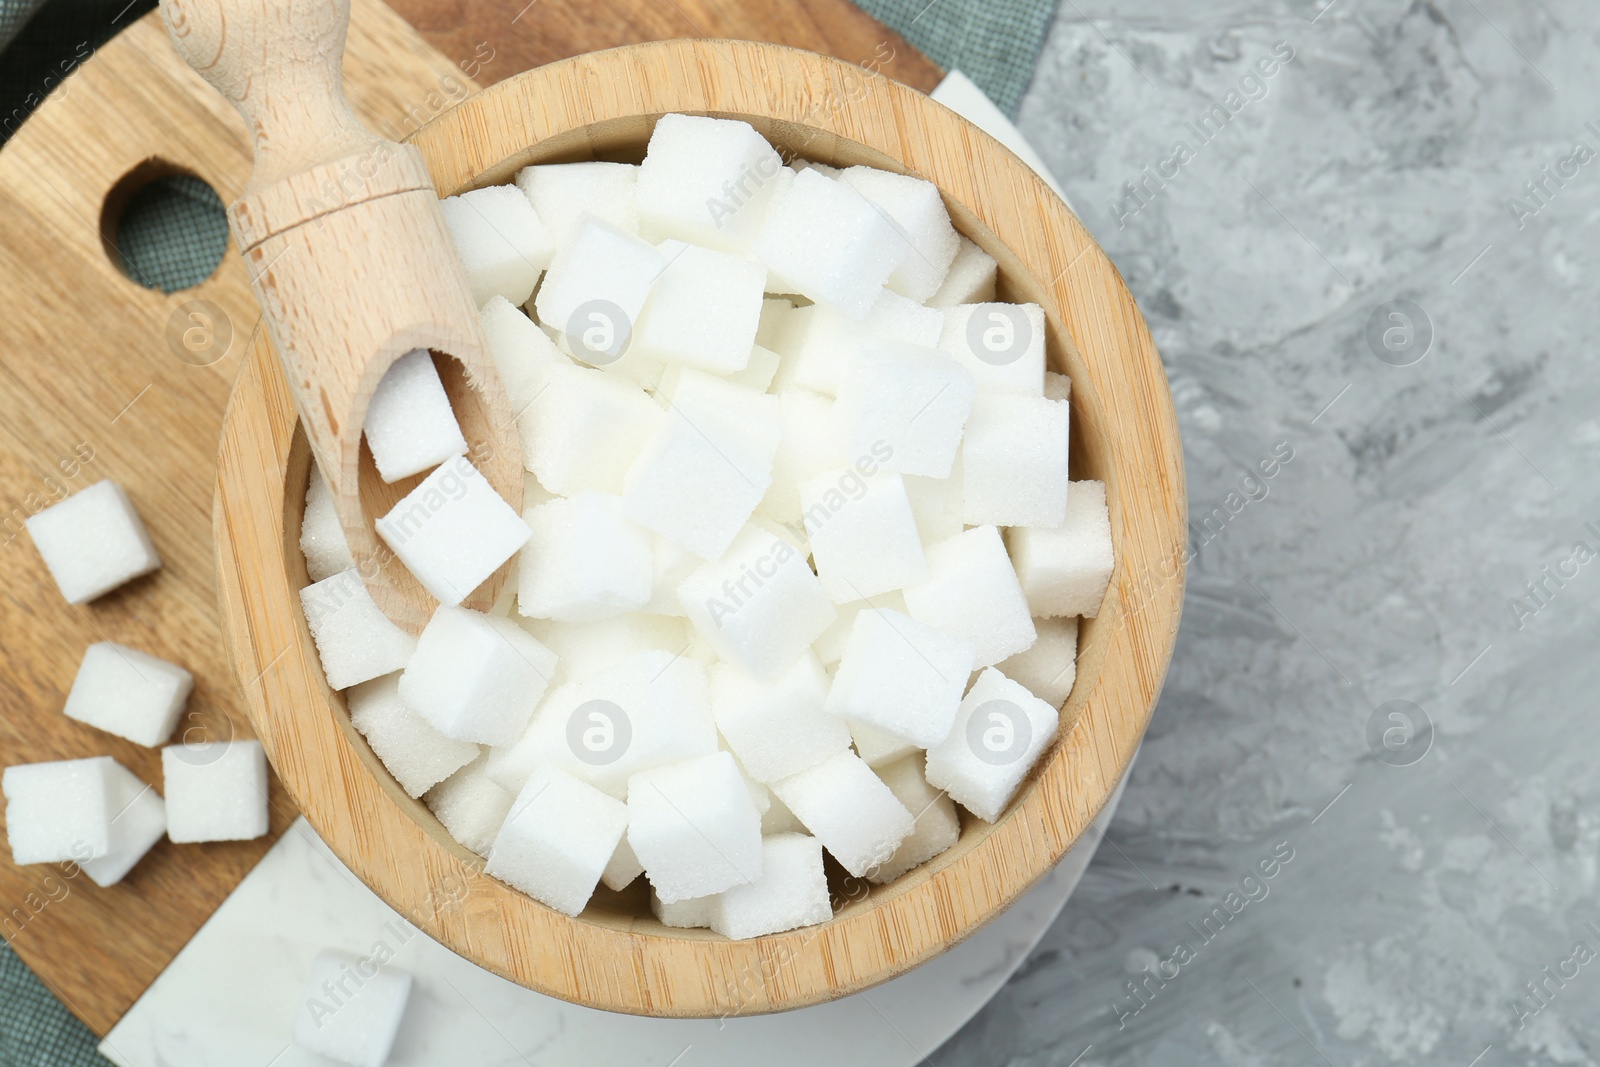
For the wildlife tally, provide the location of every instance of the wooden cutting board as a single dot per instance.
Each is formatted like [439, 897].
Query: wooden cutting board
[101, 380]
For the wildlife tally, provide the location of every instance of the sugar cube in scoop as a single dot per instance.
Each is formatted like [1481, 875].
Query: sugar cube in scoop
[409, 424]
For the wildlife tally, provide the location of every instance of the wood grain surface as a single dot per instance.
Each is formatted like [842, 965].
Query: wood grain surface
[616, 956]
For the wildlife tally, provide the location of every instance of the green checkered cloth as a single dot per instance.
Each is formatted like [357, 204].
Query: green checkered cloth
[173, 234]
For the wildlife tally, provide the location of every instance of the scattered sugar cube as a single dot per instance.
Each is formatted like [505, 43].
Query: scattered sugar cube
[418, 756]
[475, 677]
[453, 530]
[776, 728]
[564, 194]
[59, 811]
[914, 399]
[759, 370]
[863, 535]
[1050, 666]
[759, 606]
[829, 647]
[972, 592]
[583, 648]
[585, 429]
[927, 243]
[826, 241]
[1002, 345]
[648, 710]
[351, 1010]
[138, 821]
[409, 425]
[936, 503]
[1057, 386]
[216, 791]
[321, 534]
[355, 640]
[807, 448]
[791, 892]
[595, 289]
[999, 734]
[707, 180]
[1014, 462]
[691, 914]
[471, 806]
[128, 693]
[92, 542]
[557, 839]
[1065, 571]
[623, 868]
[877, 747]
[704, 309]
[502, 244]
[522, 353]
[938, 826]
[854, 815]
[901, 676]
[586, 561]
[970, 280]
[694, 827]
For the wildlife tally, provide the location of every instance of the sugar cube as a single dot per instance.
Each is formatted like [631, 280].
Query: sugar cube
[817, 345]
[936, 503]
[1050, 666]
[216, 791]
[585, 429]
[557, 839]
[777, 728]
[791, 892]
[595, 289]
[760, 606]
[915, 399]
[523, 354]
[501, 241]
[355, 640]
[707, 180]
[1065, 571]
[645, 711]
[970, 280]
[826, 241]
[410, 426]
[694, 913]
[972, 592]
[623, 868]
[92, 542]
[694, 827]
[999, 734]
[877, 747]
[1002, 345]
[849, 809]
[351, 1010]
[128, 693]
[1014, 461]
[807, 448]
[829, 647]
[927, 242]
[586, 561]
[704, 309]
[564, 194]
[583, 648]
[902, 676]
[863, 535]
[938, 826]
[59, 811]
[475, 677]
[471, 806]
[750, 416]
[453, 530]
[418, 756]
[1057, 386]
[899, 318]
[138, 821]
[321, 535]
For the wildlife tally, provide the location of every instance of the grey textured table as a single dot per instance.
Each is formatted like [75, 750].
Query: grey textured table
[1439, 906]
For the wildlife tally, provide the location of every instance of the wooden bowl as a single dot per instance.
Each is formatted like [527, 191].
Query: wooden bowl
[615, 955]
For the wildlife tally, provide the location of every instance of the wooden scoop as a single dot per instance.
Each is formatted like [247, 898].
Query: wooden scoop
[348, 255]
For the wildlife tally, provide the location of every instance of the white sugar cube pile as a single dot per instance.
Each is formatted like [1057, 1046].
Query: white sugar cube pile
[796, 469]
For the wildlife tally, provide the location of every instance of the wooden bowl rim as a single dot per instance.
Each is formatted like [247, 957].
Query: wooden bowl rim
[1119, 387]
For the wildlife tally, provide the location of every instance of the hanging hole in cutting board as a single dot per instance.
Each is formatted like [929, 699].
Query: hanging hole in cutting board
[165, 228]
